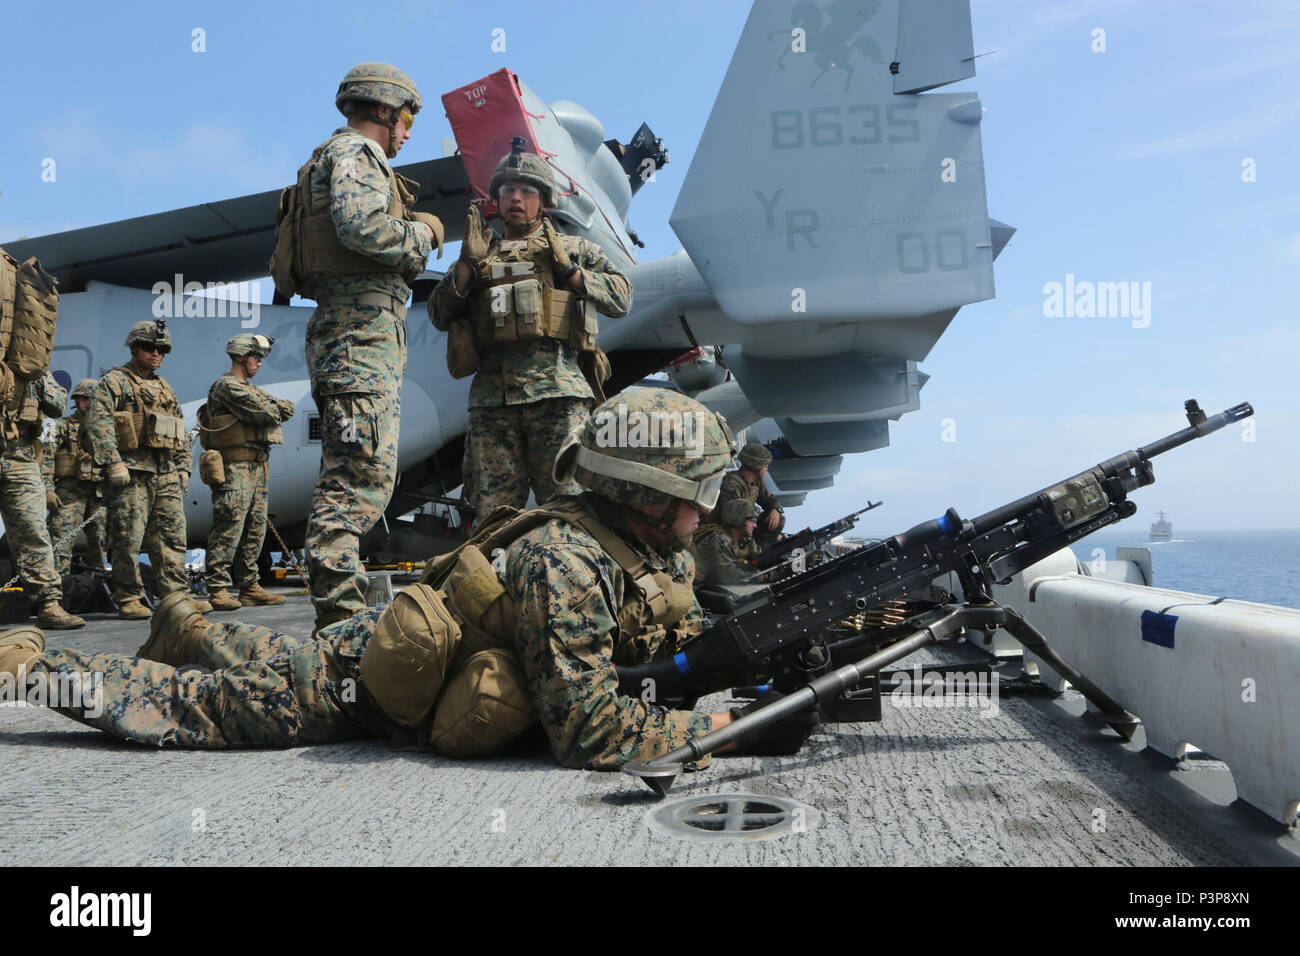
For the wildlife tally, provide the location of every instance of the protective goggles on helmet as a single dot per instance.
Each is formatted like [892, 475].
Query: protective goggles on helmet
[524, 189]
[703, 493]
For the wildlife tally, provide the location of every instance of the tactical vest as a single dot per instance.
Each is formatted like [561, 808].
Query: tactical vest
[151, 421]
[71, 460]
[236, 440]
[516, 299]
[443, 658]
[318, 252]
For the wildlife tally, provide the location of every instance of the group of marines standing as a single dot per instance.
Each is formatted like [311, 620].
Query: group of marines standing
[539, 606]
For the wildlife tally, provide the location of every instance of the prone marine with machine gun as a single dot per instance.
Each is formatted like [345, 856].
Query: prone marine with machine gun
[782, 635]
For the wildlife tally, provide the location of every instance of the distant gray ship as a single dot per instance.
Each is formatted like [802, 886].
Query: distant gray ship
[1161, 528]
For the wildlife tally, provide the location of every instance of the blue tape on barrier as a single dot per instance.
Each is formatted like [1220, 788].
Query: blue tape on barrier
[1158, 628]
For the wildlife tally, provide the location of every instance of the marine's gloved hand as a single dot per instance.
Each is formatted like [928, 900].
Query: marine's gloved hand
[475, 245]
[52, 502]
[118, 474]
[781, 739]
[286, 409]
[435, 226]
[184, 481]
[558, 253]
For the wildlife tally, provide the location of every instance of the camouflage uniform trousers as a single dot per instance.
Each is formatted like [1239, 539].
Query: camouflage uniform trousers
[511, 446]
[147, 513]
[263, 689]
[358, 469]
[238, 525]
[80, 501]
[22, 507]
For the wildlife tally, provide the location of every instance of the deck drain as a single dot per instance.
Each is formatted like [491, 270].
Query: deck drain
[731, 816]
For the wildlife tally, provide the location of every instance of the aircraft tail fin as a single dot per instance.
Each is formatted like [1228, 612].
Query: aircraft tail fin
[822, 190]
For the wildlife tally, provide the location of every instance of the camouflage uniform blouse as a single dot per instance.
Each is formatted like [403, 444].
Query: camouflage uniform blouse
[521, 372]
[568, 592]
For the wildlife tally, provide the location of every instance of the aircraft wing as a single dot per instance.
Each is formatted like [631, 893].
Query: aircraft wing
[229, 240]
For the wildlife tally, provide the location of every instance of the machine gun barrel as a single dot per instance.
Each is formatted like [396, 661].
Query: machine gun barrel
[779, 551]
[1129, 470]
[768, 636]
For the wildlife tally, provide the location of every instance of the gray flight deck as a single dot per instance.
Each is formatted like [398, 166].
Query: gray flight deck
[1032, 784]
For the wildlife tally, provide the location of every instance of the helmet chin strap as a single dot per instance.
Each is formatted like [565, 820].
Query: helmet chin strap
[663, 524]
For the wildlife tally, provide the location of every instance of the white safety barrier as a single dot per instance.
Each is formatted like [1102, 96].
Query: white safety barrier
[1219, 674]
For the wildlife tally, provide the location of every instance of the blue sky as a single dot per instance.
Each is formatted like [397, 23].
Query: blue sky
[1123, 165]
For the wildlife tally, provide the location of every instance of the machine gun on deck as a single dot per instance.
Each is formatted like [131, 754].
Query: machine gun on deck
[807, 542]
[779, 635]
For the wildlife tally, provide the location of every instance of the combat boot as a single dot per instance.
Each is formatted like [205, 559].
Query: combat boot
[52, 617]
[20, 646]
[133, 609]
[200, 605]
[223, 600]
[250, 597]
[175, 631]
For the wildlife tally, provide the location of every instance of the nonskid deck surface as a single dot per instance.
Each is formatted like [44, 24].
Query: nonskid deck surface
[1030, 785]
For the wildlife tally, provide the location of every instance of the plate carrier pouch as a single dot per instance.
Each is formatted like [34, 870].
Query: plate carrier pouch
[71, 460]
[517, 300]
[35, 312]
[307, 243]
[409, 653]
[141, 426]
[233, 439]
[484, 703]
[8, 292]
[212, 469]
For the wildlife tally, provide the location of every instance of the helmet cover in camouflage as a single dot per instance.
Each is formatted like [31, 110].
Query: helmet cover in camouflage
[649, 446]
[378, 83]
[755, 455]
[248, 343]
[149, 332]
[736, 511]
[521, 166]
[84, 388]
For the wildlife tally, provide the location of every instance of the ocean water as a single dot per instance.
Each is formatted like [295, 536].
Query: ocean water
[1262, 566]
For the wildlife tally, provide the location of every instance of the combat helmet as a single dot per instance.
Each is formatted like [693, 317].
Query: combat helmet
[248, 343]
[84, 388]
[149, 332]
[735, 512]
[378, 83]
[521, 166]
[649, 446]
[755, 455]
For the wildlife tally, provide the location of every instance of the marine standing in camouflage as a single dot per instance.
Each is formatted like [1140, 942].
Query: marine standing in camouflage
[356, 345]
[239, 504]
[76, 492]
[529, 394]
[23, 497]
[145, 484]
